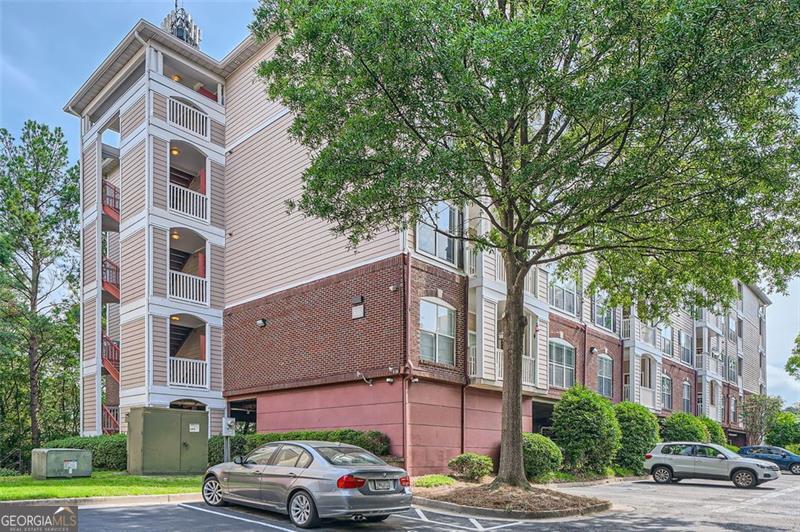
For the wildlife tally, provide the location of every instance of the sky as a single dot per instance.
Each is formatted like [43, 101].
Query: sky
[49, 48]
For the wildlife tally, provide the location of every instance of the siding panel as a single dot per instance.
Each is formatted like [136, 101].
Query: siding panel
[89, 176]
[90, 254]
[132, 193]
[132, 354]
[89, 329]
[160, 350]
[160, 106]
[160, 260]
[133, 268]
[217, 276]
[89, 403]
[217, 133]
[216, 358]
[217, 194]
[131, 118]
[160, 174]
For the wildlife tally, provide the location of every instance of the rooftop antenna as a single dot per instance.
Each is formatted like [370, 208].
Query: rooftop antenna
[179, 24]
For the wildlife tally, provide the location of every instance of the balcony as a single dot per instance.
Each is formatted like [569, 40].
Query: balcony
[647, 397]
[472, 256]
[188, 202]
[188, 372]
[110, 419]
[528, 371]
[188, 118]
[187, 181]
[498, 364]
[110, 197]
[111, 357]
[625, 331]
[188, 266]
[472, 361]
[110, 277]
[187, 287]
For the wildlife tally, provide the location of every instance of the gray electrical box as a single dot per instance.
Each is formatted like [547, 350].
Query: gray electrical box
[167, 440]
[60, 463]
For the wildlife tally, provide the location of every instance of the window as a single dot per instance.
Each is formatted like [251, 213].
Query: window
[740, 328]
[288, 456]
[564, 295]
[734, 412]
[712, 393]
[687, 397]
[666, 340]
[349, 456]
[732, 329]
[562, 365]
[684, 342]
[739, 365]
[678, 449]
[437, 333]
[701, 451]
[604, 315]
[666, 392]
[430, 237]
[605, 370]
[646, 373]
[261, 455]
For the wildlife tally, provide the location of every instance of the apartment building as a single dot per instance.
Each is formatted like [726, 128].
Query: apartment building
[200, 291]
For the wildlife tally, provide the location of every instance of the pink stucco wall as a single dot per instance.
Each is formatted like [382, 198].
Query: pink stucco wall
[434, 426]
[483, 421]
[348, 405]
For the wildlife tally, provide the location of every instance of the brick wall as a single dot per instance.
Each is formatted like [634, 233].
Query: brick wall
[311, 338]
[679, 373]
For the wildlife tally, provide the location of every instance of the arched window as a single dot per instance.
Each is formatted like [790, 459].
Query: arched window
[666, 392]
[605, 372]
[437, 323]
[562, 363]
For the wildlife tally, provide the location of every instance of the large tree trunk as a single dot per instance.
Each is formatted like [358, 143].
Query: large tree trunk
[511, 470]
[33, 379]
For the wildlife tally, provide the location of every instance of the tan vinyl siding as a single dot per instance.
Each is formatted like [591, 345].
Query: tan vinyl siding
[132, 268]
[543, 353]
[160, 350]
[215, 420]
[131, 118]
[217, 190]
[160, 106]
[89, 329]
[89, 176]
[112, 321]
[267, 248]
[160, 173]
[217, 133]
[217, 276]
[89, 403]
[160, 261]
[132, 354]
[246, 102]
[216, 358]
[133, 181]
[91, 254]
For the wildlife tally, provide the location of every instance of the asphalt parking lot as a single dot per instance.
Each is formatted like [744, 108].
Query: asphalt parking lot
[638, 505]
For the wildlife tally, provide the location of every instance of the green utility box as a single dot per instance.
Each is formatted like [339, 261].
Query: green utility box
[167, 440]
[60, 463]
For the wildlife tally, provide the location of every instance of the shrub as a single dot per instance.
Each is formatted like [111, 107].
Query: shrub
[784, 430]
[731, 447]
[108, 451]
[682, 426]
[639, 429]
[716, 433]
[433, 481]
[586, 430]
[471, 466]
[373, 441]
[7, 472]
[793, 448]
[541, 456]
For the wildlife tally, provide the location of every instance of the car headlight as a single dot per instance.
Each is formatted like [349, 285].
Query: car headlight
[764, 466]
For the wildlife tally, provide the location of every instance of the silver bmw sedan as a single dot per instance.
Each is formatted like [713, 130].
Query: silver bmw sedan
[309, 481]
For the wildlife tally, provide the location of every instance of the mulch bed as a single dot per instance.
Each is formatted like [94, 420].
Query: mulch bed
[507, 498]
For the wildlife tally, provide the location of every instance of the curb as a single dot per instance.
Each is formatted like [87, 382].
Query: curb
[473, 511]
[599, 482]
[122, 500]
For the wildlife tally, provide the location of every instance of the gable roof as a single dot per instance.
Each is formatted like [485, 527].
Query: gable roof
[135, 40]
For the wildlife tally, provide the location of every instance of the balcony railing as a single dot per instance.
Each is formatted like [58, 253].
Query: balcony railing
[626, 392]
[110, 272]
[110, 419]
[188, 202]
[111, 351]
[188, 287]
[472, 361]
[188, 118]
[110, 196]
[188, 372]
[499, 267]
[647, 396]
[498, 364]
[528, 371]
[626, 329]
[472, 262]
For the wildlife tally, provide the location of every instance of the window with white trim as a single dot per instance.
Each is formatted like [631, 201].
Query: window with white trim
[604, 315]
[564, 295]
[605, 372]
[666, 392]
[687, 396]
[666, 340]
[443, 218]
[684, 341]
[562, 364]
[437, 336]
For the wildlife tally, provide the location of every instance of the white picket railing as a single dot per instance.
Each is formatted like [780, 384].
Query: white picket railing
[498, 364]
[188, 202]
[528, 371]
[188, 372]
[626, 328]
[647, 396]
[472, 361]
[188, 287]
[188, 118]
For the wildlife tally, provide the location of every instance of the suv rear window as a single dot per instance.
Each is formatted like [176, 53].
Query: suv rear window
[344, 456]
[676, 449]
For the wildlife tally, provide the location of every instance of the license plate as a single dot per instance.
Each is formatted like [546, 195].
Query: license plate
[382, 485]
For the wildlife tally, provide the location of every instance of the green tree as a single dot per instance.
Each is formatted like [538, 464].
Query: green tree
[716, 433]
[639, 429]
[39, 200]
[758, 413]
[659, 137]
[793, 362]
[682, 426]
[784, 430]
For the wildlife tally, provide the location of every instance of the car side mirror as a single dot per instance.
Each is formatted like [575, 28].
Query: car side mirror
[721, 456]
[237, 460]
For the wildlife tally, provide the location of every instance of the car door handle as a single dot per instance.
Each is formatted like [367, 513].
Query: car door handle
[292, 474]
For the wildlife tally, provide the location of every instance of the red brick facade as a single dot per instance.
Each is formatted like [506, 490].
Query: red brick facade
[679, 373]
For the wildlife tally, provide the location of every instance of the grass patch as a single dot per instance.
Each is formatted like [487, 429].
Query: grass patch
[100, 484]
[433, 481]
[507, 498]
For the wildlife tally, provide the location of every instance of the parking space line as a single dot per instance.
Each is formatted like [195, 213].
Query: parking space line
[253, 521]
[475, 522]
[504, 525]
[755, 500]
[449, 525]
[420, 514]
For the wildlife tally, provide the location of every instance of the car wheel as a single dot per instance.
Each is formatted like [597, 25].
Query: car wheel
[376, 518]
[662, 475]
[744, 479]
[303, 511]
[212, 492]
[795, 469]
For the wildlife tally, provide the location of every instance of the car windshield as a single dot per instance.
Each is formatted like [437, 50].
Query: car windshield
[343, 456]
[727, 453]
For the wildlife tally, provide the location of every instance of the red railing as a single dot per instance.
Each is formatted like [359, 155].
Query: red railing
[110, 195]
[110, 271]
[110, 419]
[111, 351]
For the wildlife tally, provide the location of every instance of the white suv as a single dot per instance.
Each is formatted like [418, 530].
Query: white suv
[673, 461]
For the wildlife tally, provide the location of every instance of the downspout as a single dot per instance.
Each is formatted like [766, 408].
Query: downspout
[407, 374]
[466, 365]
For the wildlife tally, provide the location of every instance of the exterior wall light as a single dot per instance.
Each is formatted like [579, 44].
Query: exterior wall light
[261, 322]
[174, 151]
